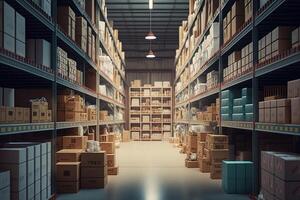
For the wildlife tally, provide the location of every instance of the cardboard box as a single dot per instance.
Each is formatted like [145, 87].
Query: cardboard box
[68, 155]
[113, 170]
[126, 136]
[294, 88]
[111, 160]
[90, 183]
[74, 106]
[286, 190]
[204, 166]
[295, 110]
[192, 144]
[75, 142]
[67, 186]
[287, 167]
[67, 171]
[92, 172]
[9, 114]
[98, 159]
[191, 163]
[71, 116]
[109, 147]
[216, 171]
[218, 155]
[284, 111]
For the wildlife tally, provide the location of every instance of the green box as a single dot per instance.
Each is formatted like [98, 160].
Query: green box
[226, 110]
[247, 92]
[246, 100]
[226, 117]
[238, 102]
[226, 102]
[249, 108]
[249, 117]
[238, 109]
[238, 117]
[230, 94]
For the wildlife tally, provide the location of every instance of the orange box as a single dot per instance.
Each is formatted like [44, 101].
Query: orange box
[72, 116]
[67, 171]
[111, 160]
[10, 114]
[19, 114]
[68, 155]
[113, 170]
[109, 147]
[111, 137]
[97, 159]
[74, 142]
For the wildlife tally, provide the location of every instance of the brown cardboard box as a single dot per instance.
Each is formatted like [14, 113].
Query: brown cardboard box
[295, 110]
[126, 136]
[273, 111]
[68, 155]
[67, 171]
[103, 138]
[26, 112]
[90, 183]
[91, 172]
[111, 160]
[216, 171]
[287, 167]
[267, 111]
[49, 116]
[267, 181]
[91, 136]
[98, 159]
[201, 137]
[103, 114]
[113, 170]
[74, 142]
[200, 149]
[66, 20]
[74, 106]
[40, 105]
[236, 24]
[286, 190]
[2, 114]
[72, 116]
[218, 146]
[192, 144]
[9, 114]
[217, 155]
[284, 111]
[204, 166]
[67, 186]
[19, 114]
[217, 138]
[294, 88]
[109, 147]
[111, 137]
[191, 163]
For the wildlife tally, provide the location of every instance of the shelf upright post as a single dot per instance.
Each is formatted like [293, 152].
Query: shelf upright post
[97, 82]
[220, 62]
[54, 95]
[255, 142]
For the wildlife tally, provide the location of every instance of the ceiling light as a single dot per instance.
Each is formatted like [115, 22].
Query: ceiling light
[150, 4]
[150, 54]
[150, 36]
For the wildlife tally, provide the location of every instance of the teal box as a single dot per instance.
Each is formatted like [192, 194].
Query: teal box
[249, 108]
[226, 117]
[249, 117]
[226, 110]
[238, 109]
[237, 177]
[246, 100]
[230, 94]
[226, 102]
[238, 117]
[247, 92]
[225, 94]
[238, 102]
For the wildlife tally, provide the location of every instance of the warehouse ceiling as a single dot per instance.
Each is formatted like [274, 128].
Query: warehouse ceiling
[131, 18]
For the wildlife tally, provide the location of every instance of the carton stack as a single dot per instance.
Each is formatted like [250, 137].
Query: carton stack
[294, 94]
[212, 79]
[204, 165]
[71, 108]
[215, 152]
[191, 150]
[226, 105]
[62, 62]
[5, 185]
[39, 51]
[108, 145]
[66, 20]
[126, 136]
[72, 66]
[279, 177]
[93, 170]
[274, 43]
[89, 41]
[242, 107]
[92, 112]
[39, 111]
[81, 33]
[248, 9]
[296, 37]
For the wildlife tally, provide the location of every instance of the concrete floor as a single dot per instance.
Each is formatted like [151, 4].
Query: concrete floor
[155, 171]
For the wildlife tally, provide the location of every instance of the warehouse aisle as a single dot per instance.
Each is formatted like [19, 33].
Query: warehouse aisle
[155, 171]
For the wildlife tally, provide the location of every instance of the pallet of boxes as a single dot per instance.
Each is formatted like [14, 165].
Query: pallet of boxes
[107, 144]
[71, 108]
[215, 151]
[203, 163]
[191, 151]
[80, 164]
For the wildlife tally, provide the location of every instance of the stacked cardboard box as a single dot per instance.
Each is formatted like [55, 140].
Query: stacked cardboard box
[62, 62]
[40, 111]
[234, 20]
[296, 37]
[5, 185]
[30, 169]
[237, 177]
[92, 112]
[215, 152]
[136, 83]
[294, 94]
[12, 30]
[279, 179]
[66, 20]
[72, 66]
[39, 51]
[274, 43]
[208, 115]
[248, 9]
[81, 33]
[109, 148]
[204, 165]
[71, 108]
[212, 79]
[191, 148]
[125, 136]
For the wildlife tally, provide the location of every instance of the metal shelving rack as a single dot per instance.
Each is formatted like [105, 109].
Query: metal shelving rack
[48, 77]
[249, 33]
[151, 113]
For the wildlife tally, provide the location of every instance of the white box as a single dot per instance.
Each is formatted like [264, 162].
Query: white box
[46, 6]
[20, 28]
[102, 89]
[18, 175]
[37, 187]
[20, 195]
[44, 182]
[166, 84]
[43, 52]
[5, 193]
[4, 179]
[158, 84]
[44, 148]
[135, 135]
[9, 97]
[30, 192]
[135, 102]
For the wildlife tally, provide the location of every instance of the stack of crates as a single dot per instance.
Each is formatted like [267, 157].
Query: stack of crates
[240, 105]
[226, 105]
[237, 177]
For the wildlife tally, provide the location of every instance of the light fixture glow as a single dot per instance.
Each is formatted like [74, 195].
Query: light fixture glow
[150, 4]
[150, 54]
[150, 36]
